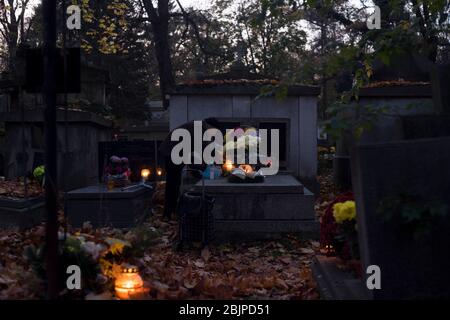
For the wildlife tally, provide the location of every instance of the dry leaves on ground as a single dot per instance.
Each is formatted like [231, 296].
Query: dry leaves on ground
[260, 270]
[16, 189]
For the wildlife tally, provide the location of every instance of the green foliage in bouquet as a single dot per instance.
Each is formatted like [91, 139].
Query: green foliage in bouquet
[39, 173]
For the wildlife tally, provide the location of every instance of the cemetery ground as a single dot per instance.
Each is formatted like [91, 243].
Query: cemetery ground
[276, 269]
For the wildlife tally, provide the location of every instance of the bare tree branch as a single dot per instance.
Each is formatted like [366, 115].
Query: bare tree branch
[200, 41]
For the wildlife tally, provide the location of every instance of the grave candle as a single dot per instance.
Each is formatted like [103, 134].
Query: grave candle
[228, 166]
[145, 173]
[128, 283]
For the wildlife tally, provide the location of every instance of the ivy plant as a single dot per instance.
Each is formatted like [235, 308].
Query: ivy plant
[412, 213]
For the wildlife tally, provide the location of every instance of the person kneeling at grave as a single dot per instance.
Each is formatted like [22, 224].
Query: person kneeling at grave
[174, 171]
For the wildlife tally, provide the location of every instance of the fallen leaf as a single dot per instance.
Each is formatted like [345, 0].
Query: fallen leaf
[281, 284]
[306, 250]
[253, 250]
[6, 281]
[285, 260]
[199, 264]
[191, 283]
[315, 244]
[206, 254]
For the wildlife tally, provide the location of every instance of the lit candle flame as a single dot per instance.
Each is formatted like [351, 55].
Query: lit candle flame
[145, 173]
[128, 284]
[229, 165]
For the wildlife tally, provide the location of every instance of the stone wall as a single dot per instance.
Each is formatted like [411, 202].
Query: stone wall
[404, 105]
[77, 160]
[389, 126]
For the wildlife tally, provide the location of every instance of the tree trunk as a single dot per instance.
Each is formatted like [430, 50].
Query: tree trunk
[163, 56]
[13, 37]
[159, 19]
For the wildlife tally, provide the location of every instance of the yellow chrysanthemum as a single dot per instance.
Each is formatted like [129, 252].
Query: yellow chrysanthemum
[116, 248]
[344, 211]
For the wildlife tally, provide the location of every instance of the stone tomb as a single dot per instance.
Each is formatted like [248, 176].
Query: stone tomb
[236, 105]
[77, 159]
[248, 211]
[102, 207]
[21, 213]
[413, 265]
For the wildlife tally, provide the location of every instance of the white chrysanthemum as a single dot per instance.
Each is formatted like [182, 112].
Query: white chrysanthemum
[93, 249]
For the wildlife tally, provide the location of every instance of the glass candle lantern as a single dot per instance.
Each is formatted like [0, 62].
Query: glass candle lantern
[128, 283]
[145, 173]
[228, 166]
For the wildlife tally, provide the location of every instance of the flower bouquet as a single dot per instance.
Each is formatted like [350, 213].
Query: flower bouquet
[247, 142]
[245, 174]
[339, 234]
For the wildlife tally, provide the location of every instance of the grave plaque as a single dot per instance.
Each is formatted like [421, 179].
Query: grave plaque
[102, 207]
[21, 213]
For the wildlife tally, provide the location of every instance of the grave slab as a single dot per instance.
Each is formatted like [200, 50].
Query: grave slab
[334, 283]
[21, 213]
[102, 207]
[250, 211]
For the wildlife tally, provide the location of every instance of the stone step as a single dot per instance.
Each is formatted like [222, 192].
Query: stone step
[251, 211]
[23, 217]
[102, 207]
[229, 230]
[334, 283]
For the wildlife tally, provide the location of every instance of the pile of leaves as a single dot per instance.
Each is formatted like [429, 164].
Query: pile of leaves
[257, 270]
[17, 278]
[16, 189]
[266, 270]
